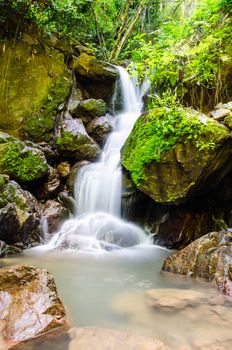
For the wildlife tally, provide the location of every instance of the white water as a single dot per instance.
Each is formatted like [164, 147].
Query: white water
[97, 226]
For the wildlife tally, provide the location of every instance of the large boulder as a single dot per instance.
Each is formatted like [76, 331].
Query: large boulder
[96, 79]
[209, 257]
[19, 213]
[36, 81]
[99, 129]
[29, 304]
[73, 174]
[21, 162]
[89, 109]
[51, 185]
[55, 213]
[173, 153]
[73, 141]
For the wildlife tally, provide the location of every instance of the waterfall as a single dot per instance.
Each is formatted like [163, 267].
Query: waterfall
[98, 225]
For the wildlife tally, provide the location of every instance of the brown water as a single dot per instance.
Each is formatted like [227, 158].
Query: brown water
[125, 290]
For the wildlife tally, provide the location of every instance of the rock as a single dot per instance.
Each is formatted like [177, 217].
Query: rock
[37, 81]
[89, 109]
[6, 249]
[225, 105]
[172, 298]
[228, 121]
[167, 145]
[64, 169]
[21, 162]
[55, 213]
[99, 129]
[68, 202]
[49, 151]
[19, 214]
[220, 114]
[73, 141]
[29, 304]
[107, 339]
[88, 67]
[73, 174]
[209, 257]
[51, 186]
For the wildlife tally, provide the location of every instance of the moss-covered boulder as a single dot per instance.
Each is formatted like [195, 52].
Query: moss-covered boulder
[99, 128]
[209, 257]
[35, 80]
[89, 109]
[21, 162]
[173, 153]
[73, 141]
[19, 213]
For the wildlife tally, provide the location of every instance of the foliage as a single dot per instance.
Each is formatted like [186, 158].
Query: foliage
[191, 50]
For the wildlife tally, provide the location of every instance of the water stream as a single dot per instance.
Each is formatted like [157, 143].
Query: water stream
[108, 272]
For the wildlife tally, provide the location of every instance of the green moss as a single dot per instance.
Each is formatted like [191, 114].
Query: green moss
[20, 163]
[159, 131]
[69, 142]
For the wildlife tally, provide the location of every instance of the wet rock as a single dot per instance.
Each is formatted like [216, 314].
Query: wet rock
[55, 213]
[122, 237]
[64, 169]
[68, 202]
[220, 114]
[209, 257]
[106, 339]
[224, 105]
[49, 151]
[6, 249]
[29, 304]
[73, 174]
[19, 214]
[99, 129]
[88, 67]
[73, 141]
[157, 159]
[21, 162]
[228, 121]
[89, 109]
[51, 186]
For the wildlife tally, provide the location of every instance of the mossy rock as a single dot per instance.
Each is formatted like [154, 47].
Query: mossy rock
[89, 109]
[228, 121]
[19, 213]
[21, 162]
[172, 153]
[35, 81]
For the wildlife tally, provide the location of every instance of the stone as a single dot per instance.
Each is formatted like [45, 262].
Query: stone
[29, 304]
[55, 214]
[64, 169]
[167, 145]
[73, 174]
[6, 249]
[51, 185]
[89, 109]
[99, 129]
[228, 121]
[73, 141]
[19, 214]
[107, 339]
[88, 67]
[220, 114]
[224, 105]
[21, 162]
[37, 81]
[209, 257]
[68, 202]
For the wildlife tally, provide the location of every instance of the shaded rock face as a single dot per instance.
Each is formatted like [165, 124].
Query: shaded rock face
[73, 141]
[88, 109]
[73, 174]
[51, 185]
[96, 78]
[209, 257]
[99, 129]
[21, 162]
[6, 249]
[40, 79]
[181, 165]
[55, 213]
[29, 304]
[19, 213]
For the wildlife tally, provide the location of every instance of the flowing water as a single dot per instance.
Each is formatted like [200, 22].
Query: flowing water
[108, 272]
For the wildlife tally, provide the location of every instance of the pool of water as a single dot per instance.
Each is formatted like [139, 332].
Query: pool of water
[126, 290]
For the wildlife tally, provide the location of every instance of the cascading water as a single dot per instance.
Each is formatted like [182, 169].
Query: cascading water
[97, 225]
